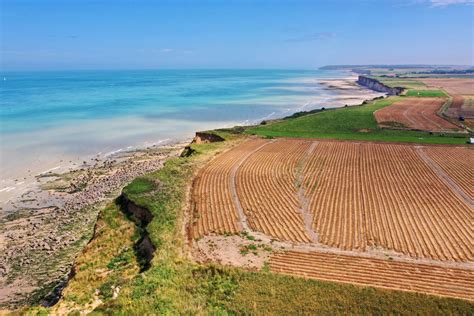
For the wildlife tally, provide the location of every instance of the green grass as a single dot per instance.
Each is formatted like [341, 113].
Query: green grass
[426, 93]
[399, 82]
[351, 123]
[140, 185]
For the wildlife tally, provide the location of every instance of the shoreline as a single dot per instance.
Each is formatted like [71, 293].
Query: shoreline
[33, 227]
[49, 227]
[23, 178]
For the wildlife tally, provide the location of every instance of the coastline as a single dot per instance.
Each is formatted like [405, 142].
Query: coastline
[38, 224]
[40, 238]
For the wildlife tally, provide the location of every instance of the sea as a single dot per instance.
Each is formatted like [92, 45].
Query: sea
[51, 119]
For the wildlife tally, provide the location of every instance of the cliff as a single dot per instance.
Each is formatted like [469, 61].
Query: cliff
[206, 137]
[376, 85]
[144, 248]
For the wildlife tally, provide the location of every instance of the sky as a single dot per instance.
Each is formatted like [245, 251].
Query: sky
[286, 34]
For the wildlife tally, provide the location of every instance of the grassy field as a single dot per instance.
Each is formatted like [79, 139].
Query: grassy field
[108, 280]
[351, 123]
[426, 93]
[400, 82]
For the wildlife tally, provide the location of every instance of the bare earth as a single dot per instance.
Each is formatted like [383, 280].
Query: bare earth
[462, 91]
[415, 113]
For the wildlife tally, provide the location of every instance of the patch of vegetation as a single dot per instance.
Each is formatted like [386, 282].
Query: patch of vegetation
[272, 294]
[139, 185]
[426, 93]
[351, 123]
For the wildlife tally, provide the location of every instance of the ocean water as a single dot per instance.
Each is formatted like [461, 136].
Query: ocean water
[48, 119]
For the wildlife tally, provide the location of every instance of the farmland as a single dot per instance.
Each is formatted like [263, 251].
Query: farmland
[426, 93]
[454, 86]
[414, 113]
[351, 123]
[174, 284]
[216, 211]
[462, 92]
[357, 198]
[382, 273]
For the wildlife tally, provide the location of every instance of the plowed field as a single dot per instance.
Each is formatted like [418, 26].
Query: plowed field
[359, 199]
[267, 189]
[414, 113]
[462, 91]
[375, 272]
[214, 208]
[463, 86]
[385, 195]
[457, 163]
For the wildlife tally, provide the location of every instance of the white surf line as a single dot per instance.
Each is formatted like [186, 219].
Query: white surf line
[444, 177]
[304, 203]
[235, 168]
[7, 189]
[49, 170]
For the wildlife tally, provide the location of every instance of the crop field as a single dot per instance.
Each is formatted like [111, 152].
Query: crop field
[391, 274]
[267, 190]
[457, 163]
[351, 198]
[212, 195]
[414, 113]
[462, 92]
[368, 195]
[454, 86]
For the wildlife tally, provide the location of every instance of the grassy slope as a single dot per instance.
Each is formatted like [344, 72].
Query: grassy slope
[352, 123]
[175, 285]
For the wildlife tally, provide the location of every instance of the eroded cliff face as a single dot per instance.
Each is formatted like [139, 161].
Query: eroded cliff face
[144, 248]
[203, 137]
[376, 85]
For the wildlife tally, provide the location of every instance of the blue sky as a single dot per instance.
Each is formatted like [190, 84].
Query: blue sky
[121, 34]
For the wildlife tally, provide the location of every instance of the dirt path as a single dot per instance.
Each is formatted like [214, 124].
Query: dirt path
[444, 177]
[240, 210]
[305, 213]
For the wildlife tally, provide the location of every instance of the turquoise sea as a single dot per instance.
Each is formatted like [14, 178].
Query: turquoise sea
[48, 118]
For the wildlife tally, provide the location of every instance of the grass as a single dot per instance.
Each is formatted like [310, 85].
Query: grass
[426, 93]
[399, 82]
[140, 185]
[351, 123]
[175, 285]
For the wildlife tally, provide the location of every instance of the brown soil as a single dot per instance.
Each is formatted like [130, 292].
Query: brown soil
[415, 113]
[361, 199]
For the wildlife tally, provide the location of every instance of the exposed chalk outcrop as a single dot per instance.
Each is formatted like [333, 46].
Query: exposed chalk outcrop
[376, 85]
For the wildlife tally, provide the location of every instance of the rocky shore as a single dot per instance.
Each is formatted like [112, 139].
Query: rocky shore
[45, 229]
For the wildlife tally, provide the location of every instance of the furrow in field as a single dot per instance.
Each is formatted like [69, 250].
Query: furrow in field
[395, 275]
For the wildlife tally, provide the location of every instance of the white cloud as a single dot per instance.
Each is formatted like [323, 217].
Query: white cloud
[433, 3]
[440, 3]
